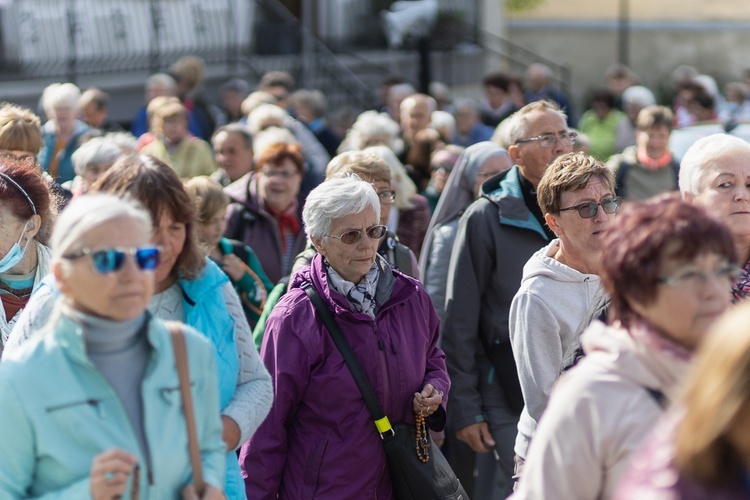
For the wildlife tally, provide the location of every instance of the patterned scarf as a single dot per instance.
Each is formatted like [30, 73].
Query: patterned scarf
[741, 289]
[361, 297]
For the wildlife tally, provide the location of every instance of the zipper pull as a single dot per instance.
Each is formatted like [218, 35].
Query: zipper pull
[393, 348]
[380, 345]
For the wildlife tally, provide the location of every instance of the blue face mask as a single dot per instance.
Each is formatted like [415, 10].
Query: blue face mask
[15, 254]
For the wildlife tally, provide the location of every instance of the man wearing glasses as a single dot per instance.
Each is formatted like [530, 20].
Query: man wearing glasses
[561, 292]
[496, 236]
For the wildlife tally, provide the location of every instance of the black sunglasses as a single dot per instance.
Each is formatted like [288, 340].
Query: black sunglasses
[590, 209]
[353, 236]
[110, 260]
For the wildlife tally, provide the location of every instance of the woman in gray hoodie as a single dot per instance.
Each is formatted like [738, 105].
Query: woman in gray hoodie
[560, 287]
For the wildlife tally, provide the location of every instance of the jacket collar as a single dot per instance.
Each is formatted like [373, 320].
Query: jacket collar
[507, 196]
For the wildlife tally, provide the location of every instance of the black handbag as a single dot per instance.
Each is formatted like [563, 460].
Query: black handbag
[412, 479]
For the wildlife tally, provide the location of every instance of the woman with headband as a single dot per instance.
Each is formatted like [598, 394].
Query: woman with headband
[26, 218]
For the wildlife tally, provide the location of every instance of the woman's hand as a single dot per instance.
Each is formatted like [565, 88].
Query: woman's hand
[212, 493]
[109, 473]
[233, 266]
[427, 401]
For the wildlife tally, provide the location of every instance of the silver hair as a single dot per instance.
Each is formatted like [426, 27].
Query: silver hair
[88, 212]
[414, 99]
[466, 103]
[96, 151]
[162, 80]
[337, 198]
[442, 120]
[518, 124]
[704, 155]
[60, 94]
[373, 128]
[264, 116]
[270, 136]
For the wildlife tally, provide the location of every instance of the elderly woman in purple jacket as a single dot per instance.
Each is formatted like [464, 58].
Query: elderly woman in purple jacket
[319, 440]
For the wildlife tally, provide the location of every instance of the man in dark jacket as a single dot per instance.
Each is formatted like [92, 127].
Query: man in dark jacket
[496, 236]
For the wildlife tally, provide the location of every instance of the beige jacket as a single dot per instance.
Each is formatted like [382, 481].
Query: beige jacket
[598, 415]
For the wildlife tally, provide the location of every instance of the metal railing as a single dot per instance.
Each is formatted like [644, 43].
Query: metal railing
[69, 38]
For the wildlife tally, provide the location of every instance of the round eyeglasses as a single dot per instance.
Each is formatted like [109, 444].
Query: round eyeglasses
[590, 209]
[353, 236]
[110, 260]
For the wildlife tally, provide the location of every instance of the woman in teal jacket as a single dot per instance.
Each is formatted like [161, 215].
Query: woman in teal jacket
[189, 288]
[235, 258]
[91, 404]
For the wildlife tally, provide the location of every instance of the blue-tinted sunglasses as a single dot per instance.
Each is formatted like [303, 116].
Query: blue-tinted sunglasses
[110, 260]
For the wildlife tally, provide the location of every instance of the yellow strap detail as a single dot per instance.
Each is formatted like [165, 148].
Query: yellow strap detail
[383, 425]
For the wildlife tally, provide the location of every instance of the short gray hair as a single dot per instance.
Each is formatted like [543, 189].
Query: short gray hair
[60, 94]
[371, 128]
[518, 124]
[88, 212]
[96, 151]
[162, 80]
[269, 136]
[337, 198]
[264, 116]
[702, 156]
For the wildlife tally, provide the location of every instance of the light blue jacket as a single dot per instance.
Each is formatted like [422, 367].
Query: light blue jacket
[59, 412]
[206, 311]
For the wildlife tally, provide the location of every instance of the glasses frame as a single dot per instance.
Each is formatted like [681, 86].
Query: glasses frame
[357, 234]
[564, 138]
[117, 258]
[587, 206]
[731, 271]
[388, 196]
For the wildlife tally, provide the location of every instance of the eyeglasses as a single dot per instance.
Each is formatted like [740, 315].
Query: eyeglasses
[110, 260]
[548, 140]
[387, 197]
[695, 281]
[353, 236]
[284, 174]
[590, 209]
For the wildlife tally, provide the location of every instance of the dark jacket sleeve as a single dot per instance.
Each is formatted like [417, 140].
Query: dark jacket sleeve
[471, 268]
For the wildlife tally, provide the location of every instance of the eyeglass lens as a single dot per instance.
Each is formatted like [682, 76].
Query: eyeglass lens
[589, 210]
[352, 237]
[109, 261]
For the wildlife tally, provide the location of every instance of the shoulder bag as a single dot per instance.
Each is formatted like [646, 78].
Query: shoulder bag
[412, 478]
[180, 356]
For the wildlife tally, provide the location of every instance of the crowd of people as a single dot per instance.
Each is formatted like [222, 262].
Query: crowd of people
[559, 307]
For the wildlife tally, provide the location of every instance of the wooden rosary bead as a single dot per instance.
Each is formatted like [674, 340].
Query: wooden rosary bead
[422, 442]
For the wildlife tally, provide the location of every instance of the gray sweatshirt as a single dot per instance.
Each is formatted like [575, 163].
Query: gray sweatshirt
[547, 315]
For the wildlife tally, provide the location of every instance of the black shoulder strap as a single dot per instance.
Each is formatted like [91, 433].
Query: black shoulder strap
[658, 397]
[620, 178]
[376, 411]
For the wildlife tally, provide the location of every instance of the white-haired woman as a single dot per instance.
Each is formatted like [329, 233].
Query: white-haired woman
[370, 129]
[62, 131]
[309, 444]
[90, 161]
[90, 406]
[715, 174]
